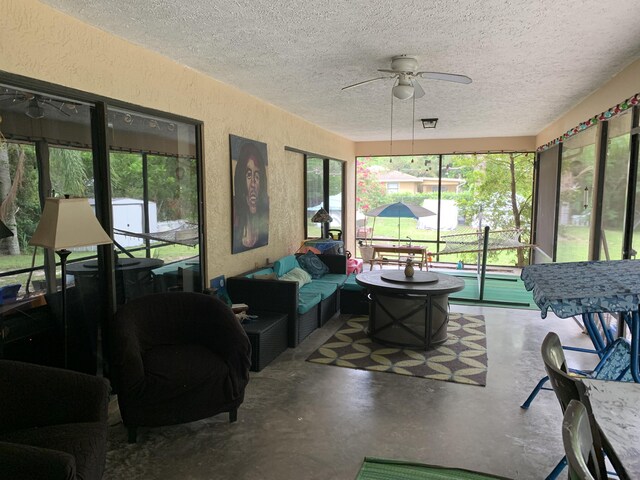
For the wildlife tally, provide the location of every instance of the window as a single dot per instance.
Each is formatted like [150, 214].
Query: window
[577, 176]
[153, 212]
[324, 183]
[615, 187]
[464, 192]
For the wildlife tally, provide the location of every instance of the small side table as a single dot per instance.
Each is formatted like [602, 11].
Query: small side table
[268, 337]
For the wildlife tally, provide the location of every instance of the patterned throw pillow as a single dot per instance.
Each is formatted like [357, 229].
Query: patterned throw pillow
[312, 264]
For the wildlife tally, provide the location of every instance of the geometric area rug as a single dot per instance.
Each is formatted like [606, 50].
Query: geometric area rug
[461, 359]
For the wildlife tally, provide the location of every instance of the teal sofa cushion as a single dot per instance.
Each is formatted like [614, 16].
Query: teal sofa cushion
[264, 271]
[285, 264]
[351, 284]
[336, 278]
[325, 289]
[306, 301]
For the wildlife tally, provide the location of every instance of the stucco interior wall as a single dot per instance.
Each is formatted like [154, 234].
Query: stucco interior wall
[622, 86]
[44, 44]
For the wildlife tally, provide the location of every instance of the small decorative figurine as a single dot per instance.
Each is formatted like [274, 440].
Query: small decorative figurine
[408, 269]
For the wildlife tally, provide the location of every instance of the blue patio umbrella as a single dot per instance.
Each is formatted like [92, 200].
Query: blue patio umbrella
[399, 210]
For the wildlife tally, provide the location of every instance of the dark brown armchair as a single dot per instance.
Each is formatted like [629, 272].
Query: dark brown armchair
[53, 423]
[177, 357]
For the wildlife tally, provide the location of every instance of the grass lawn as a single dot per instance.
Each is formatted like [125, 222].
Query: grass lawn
[387, 228]
[573, 244]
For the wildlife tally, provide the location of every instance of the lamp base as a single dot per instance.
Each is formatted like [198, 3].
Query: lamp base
[63, 254]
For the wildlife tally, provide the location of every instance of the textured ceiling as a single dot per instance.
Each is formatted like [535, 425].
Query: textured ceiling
[530, 61]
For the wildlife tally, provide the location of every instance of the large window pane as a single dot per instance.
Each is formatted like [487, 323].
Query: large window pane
[465, 192]
[20, 214]
[46, 143]
[615, 187]
[154, 204]
[315, 193]
[335, 194]
[410, 179]
[576, 190]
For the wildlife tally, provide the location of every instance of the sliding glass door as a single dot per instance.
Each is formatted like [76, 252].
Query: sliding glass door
[577, 175]
[615, 187]
[62, 144]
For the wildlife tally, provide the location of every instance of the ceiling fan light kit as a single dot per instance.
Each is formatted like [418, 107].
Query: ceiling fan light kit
[403, 92]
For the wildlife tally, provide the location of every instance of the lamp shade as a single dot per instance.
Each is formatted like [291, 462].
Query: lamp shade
[321, 216]
[68, 223]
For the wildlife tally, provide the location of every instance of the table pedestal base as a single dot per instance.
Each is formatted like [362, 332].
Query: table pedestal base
[404, 320]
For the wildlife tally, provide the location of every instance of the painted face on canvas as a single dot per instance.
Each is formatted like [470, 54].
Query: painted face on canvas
[253, 184]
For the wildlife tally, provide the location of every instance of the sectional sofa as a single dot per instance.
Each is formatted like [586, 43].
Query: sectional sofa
[308, 305]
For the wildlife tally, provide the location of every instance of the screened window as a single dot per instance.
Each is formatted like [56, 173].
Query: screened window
[324, 183]
[47, 149]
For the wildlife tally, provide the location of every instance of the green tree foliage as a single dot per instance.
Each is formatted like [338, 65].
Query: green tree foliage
[171, 183]
[499, 191]
[27, 200]
[71, 171]
[370, 192]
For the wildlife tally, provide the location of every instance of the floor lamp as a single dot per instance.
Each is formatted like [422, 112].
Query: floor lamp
[67, 223]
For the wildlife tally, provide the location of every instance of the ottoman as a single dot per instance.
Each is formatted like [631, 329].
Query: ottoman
[268, 337]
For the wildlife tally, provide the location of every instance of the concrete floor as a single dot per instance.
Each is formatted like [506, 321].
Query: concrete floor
[302, 420]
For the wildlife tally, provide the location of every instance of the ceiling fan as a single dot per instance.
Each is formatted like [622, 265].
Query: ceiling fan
[405, 70]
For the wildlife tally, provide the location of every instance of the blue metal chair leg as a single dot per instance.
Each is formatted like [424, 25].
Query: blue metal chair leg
[534, 392]
[558, 469]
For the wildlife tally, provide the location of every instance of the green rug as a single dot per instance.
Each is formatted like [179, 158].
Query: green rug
[506, 291]
[381, 469]
[461, 359]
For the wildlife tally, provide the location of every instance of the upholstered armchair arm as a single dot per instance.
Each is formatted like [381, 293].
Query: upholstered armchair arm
[49, 396]
[125, 356]
[336, 263]
[227, 338]
[22, 462]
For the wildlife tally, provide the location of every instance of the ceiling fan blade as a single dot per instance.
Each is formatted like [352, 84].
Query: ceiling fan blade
[362, 83]
[447, 77]
[395, 72]
[418, 92]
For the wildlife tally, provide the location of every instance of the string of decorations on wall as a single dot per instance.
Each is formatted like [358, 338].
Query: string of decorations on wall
[606, 115]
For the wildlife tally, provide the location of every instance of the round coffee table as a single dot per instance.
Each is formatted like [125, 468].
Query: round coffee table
[409, 312]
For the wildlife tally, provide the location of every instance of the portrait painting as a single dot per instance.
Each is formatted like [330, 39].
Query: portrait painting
[250, 195]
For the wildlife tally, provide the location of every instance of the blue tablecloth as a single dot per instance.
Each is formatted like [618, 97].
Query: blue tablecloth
[576, 288]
